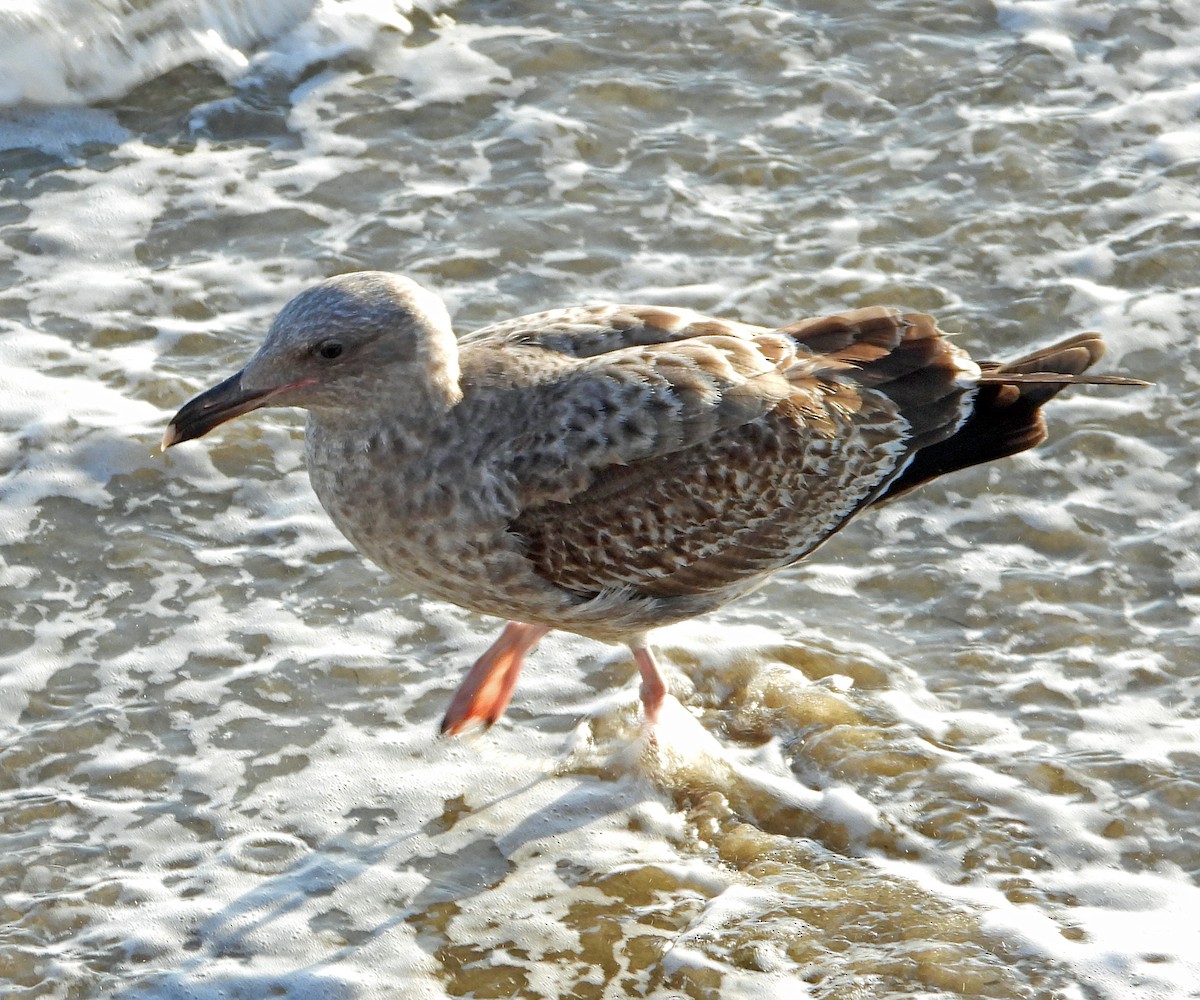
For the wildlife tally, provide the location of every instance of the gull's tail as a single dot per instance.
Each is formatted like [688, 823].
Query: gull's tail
[1006, 416]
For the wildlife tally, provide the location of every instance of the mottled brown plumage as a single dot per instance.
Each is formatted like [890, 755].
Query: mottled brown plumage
[611, 469]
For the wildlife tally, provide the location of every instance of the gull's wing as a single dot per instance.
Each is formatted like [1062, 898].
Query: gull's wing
[667, 460]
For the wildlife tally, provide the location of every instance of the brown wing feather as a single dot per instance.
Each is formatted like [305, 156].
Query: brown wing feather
[627, 406]
[747, 501]
[749, 492]
[592, 331]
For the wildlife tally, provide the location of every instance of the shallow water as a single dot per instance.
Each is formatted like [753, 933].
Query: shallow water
[952, 755]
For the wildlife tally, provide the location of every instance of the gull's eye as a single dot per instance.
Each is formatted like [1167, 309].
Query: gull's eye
[328, 349]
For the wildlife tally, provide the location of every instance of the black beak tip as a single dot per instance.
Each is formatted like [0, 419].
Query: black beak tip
[212, 407]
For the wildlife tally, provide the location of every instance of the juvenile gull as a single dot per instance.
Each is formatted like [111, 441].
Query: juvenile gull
[610, 469]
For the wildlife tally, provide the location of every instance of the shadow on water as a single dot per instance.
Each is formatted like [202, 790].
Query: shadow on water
[451, 875]
[229, 933]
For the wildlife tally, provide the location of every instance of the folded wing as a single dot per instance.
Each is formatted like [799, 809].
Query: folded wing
[704, 462]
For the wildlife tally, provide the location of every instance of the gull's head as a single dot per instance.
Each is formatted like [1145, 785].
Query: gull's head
[333, 347]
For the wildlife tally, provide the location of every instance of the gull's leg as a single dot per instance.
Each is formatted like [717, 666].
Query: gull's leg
[485, 691]
[654, 688]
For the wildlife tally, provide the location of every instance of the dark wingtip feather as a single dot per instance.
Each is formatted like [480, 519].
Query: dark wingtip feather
[1006, 417]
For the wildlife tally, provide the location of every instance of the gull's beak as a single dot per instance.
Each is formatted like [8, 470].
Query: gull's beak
[212, 407]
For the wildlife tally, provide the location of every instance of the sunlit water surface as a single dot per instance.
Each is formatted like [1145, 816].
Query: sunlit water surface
[953, 755]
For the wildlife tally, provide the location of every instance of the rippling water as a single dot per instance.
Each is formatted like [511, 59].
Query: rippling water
[953, 755]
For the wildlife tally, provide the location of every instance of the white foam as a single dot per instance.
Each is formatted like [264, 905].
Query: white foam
[69, 51]
[76, 432]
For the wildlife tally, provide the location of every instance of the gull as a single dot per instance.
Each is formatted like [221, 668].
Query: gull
[608, 470]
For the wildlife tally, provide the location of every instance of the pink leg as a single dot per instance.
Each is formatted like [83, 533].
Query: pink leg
[486, 690]
[654, 688]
